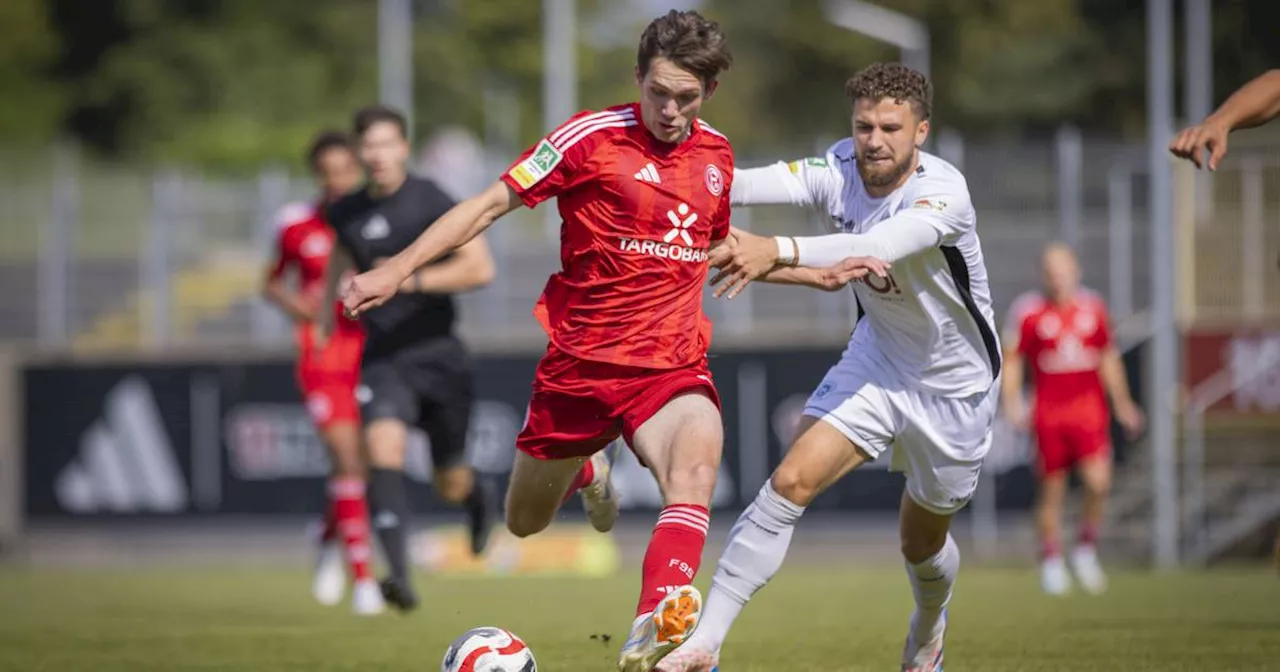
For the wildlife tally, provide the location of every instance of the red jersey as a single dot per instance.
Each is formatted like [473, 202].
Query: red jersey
[1064, 345]
[304, 241]
[638, 217]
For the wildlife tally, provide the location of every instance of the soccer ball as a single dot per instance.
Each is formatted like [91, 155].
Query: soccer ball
[488, 650]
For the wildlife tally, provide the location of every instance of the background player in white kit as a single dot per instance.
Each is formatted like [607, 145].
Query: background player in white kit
[921, 369]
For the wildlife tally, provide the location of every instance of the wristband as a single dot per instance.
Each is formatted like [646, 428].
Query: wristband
[788, 250]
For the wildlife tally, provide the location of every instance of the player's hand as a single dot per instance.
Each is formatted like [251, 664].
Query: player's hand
[369, 290]
[1131, 419]
[751, 256]
[1192, 143]
[722, 254]
[832, 278]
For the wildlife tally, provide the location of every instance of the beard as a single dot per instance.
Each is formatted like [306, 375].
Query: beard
[884, 176]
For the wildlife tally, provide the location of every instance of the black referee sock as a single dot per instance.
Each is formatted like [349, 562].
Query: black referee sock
[389, 513]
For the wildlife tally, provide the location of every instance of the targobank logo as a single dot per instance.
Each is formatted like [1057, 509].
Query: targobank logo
[681, 219]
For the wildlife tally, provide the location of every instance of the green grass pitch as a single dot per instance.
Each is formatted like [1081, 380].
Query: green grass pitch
[807, 620]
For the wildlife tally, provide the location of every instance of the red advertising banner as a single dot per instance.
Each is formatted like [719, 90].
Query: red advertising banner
[1234, 371]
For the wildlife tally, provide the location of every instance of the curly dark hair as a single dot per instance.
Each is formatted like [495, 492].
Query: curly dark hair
[892, 80]
[690, 41]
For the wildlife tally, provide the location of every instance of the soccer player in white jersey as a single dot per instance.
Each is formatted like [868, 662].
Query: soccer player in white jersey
[921, 370]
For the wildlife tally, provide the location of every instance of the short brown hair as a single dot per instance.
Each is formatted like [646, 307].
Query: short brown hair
[688, 40]
[325, 141]
[892, 80]
[366, 117]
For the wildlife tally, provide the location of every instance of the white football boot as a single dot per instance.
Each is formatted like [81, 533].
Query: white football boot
[659, 632]
[599, 497]
[329, 583]
[926, 657]
[1088, 571]
[1054, 578]
[366, 598]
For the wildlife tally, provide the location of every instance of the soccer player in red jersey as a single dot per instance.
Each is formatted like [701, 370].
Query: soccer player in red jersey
[1065, 336]
[328, 371]
[643, 190]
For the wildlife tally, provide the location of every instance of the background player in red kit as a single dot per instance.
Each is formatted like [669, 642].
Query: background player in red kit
[643, 190]
[1065, 335]
[328, 372]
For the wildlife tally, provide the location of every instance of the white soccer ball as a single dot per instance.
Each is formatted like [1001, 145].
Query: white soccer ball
[488, 650]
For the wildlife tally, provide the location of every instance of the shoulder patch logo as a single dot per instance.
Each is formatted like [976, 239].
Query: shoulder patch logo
[926, 204]
[715, 180]
[539, 164]
[816, 161]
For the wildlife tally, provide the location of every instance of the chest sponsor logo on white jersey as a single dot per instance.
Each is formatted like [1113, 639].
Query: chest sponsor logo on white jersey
[681, 219]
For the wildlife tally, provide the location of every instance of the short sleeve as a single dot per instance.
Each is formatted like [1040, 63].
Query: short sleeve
[948, 212]
[1025, 345]
[558, 162]
[281, 222]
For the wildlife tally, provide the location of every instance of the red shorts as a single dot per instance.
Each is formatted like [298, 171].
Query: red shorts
[328, 382]
[1061, 445]
[331, 405]
[579, 406]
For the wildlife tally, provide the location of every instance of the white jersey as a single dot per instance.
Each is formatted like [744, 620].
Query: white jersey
[931, 320]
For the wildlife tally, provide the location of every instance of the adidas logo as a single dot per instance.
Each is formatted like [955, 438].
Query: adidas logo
[126, 462]
[649, 174]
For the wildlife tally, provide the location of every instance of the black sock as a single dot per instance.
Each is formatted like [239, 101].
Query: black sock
[389, 513]
[476, 502]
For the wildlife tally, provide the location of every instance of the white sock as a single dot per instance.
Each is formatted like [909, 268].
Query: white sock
[931, 581]
[754, 553]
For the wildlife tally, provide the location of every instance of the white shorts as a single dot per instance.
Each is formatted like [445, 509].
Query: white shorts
[939, 442]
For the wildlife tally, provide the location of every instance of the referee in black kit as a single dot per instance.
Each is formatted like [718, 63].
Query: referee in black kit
[415, 372]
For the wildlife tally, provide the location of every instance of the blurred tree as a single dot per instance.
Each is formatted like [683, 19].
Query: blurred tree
[228, 84]
[235, 83]
[33, 99]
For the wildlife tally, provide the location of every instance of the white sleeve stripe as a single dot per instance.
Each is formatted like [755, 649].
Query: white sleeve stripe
[588, 130]
[707, 127]
[577, 124]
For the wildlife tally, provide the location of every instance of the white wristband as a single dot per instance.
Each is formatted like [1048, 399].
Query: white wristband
[788, 251]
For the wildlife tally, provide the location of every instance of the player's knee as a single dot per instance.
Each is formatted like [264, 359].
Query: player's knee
[691, 484]
[790, 482]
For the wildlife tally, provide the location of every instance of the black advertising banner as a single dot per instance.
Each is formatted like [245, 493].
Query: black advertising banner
[214, 437]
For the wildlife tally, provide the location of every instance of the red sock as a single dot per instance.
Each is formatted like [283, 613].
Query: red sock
[351, 513]
[1088, 535]
[1050, 548]
[329, 531]
[675, 551]
[582, 480]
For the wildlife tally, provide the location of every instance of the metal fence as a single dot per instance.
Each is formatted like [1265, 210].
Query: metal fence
[111, 256]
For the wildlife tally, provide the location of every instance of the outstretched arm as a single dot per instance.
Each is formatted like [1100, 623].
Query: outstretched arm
[1253, 104]
[454, 229]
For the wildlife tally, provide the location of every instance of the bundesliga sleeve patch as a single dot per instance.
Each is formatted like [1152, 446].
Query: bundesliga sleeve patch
[539, 164]
[928, 204]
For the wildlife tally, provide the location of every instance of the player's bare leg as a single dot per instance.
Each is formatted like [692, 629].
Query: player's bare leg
[1051, 492]
[536, 491]
[933, 561]
[1095, 476]
[385, 440]
[682, 444]
[820, 456]
[350, 513]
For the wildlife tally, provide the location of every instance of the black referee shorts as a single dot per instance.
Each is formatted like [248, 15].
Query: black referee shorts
[429, 386]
